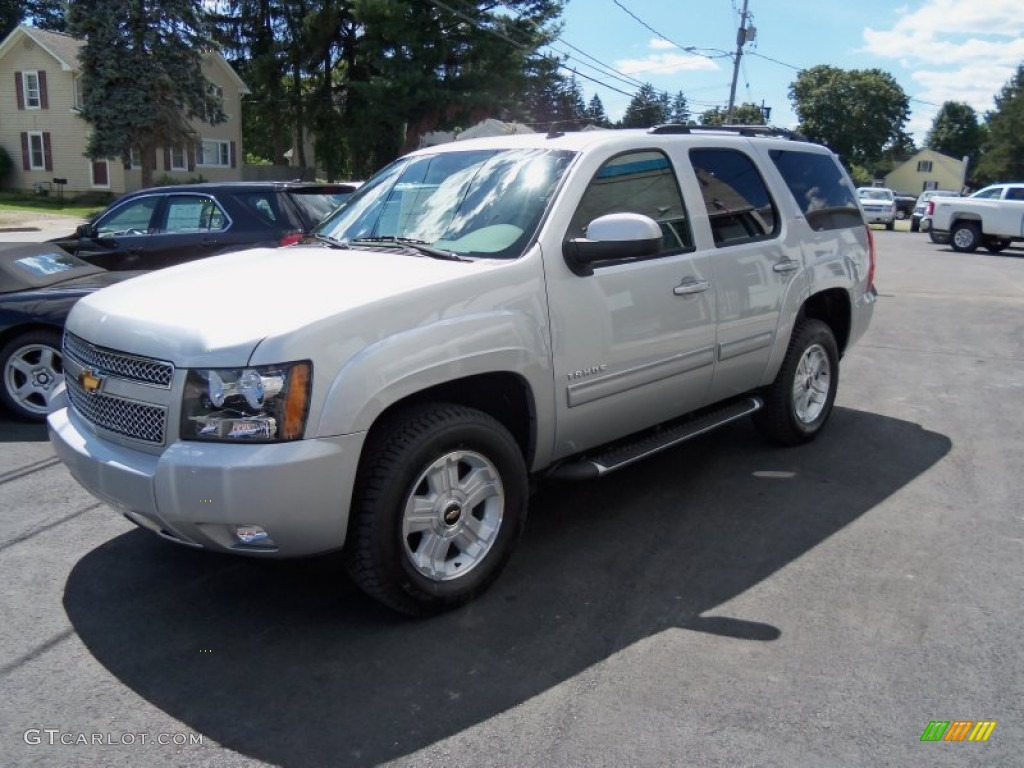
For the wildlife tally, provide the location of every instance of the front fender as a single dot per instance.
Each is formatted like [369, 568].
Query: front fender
[416, 359]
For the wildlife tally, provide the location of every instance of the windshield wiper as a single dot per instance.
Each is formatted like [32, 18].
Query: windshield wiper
[331, 241]
[421, 246]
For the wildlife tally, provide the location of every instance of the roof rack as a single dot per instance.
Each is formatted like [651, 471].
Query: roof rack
[742, 130]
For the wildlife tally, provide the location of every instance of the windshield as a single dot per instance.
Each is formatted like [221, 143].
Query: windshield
[874, 194]
[476, 203]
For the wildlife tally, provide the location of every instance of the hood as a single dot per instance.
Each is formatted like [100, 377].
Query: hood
[215, 311]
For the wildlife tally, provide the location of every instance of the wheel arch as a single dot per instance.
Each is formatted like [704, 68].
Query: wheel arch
[14, 331]
[832, 307]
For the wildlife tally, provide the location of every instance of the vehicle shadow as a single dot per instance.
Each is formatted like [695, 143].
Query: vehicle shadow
[14, 431]
[288, 663]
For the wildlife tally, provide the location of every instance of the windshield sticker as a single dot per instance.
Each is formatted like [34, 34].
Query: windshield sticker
[44, 264]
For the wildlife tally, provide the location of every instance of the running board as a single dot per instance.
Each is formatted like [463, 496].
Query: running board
[622, 454]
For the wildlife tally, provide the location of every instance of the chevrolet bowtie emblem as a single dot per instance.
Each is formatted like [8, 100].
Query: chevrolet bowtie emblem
[90, 382]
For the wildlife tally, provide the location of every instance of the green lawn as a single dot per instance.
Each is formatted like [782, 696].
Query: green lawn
[19, 201]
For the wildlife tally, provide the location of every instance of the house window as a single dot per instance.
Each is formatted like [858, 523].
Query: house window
[924, 166]
[215, 110]
[76, 92]
[36, 151]
[216, 154]
[136, 158]
[178, 160]
[30, 84]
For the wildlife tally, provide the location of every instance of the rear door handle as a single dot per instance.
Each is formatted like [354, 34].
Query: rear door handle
[786, 266]
[690, 286]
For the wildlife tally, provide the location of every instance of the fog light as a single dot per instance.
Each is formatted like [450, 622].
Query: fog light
[253, 536]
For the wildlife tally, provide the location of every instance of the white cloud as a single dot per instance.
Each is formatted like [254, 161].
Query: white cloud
[665, 64]
[657, 44]
[955, 50]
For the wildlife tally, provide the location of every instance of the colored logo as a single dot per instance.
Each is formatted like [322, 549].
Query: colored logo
[90, 381]
[958, 730]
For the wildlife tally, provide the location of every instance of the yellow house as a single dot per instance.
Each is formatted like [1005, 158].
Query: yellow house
[927, 169]
[45, 136]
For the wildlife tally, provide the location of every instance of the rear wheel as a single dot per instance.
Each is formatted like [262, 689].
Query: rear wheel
[996, 244]
[965, 236]
[798, 403]
[31, 369]
[440, 503]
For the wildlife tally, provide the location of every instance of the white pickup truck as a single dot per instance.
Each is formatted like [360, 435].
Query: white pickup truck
[992, 217]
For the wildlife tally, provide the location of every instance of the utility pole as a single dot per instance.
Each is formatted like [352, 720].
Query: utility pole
[744, 35]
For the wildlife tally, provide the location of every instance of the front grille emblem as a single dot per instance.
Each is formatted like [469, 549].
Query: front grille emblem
[90, 382]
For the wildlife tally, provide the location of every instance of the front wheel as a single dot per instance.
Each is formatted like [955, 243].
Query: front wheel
[439, 504]
[890, 225]
[31, 369]
[798, 403]
[965, 236]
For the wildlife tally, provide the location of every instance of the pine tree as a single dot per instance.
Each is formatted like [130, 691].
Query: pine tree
[1003, 153]
[646, 109]
[142, 79]
[679, 111]
[596, 114]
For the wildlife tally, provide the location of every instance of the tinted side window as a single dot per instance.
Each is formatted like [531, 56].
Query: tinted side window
[820, 189]
[637, 182]
[263, 207]
[129, 219]
[1015, 193]
[194, 213]
[737, 200]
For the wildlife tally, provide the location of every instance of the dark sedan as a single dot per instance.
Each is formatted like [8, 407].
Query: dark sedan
[38, 286]
[162, 226]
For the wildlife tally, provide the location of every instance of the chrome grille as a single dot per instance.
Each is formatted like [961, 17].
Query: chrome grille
[142, 369]
[126, 417]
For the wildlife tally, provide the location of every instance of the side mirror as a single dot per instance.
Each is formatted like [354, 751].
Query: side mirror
[613, 236]
[85, 231]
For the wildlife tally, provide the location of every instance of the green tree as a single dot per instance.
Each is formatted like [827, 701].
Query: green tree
[45, 14]
[596, 114]
[858, 113]
[679, 111]
[955, 131]
[647, 108]
[141, 75]
[742, 114]
[1003, 150]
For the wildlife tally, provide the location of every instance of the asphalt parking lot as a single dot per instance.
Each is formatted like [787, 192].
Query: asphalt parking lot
[727, 603]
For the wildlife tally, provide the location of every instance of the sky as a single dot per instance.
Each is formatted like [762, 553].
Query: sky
[937, 50]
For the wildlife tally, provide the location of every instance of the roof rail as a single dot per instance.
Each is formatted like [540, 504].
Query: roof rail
[742, 130]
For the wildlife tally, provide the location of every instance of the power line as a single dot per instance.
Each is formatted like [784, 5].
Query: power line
[688, 48]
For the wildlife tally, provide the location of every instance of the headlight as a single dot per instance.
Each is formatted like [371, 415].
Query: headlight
[261, 404]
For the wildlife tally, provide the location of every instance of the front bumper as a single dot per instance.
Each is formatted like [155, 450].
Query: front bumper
[198, 493]
[879, 217]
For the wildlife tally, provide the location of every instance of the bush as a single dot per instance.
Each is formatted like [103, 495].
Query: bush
[5, 163]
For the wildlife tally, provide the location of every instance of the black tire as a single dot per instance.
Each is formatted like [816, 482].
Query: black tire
[814, 355]
[900, 214]
[939, 238]
[965, 236]
[996, 245]
[915, 224]
[418, 572]
[31, 369]
[890, 225]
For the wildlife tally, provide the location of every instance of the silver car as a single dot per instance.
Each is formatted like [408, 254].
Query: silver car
[878, 204]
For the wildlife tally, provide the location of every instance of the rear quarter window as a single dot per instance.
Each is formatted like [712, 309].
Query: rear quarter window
[820, 188]
[264, 209]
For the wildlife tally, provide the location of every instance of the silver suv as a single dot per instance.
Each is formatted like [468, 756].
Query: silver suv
[879, 204]
[477, 315]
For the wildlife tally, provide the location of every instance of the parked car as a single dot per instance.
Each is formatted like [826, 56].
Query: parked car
[478, 315]
[921, 207]
[158, 227]
[39, 283]
[904, 206]
[879, 205]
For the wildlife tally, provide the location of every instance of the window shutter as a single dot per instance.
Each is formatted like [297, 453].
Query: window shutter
[26, 161]
[167, 158]
[47, 154]
[20, 89]
[232, 154]
[43, 101]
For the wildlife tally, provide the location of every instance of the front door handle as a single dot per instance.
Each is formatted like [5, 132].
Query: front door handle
[690, 286]
[786, 266]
